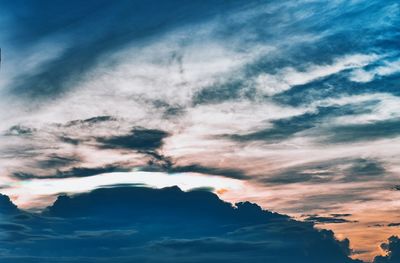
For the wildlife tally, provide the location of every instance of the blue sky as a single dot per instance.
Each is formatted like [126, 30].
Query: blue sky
[290, 104]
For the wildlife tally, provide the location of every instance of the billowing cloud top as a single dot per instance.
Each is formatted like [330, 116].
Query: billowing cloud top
[126, 224]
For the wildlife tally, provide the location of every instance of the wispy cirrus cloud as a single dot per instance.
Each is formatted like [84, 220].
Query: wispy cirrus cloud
[283, 98]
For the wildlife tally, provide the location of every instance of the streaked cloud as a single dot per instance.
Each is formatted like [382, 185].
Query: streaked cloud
[294, 105]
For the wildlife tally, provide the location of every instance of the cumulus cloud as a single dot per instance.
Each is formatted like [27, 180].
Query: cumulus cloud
[135, 223]
[392, 248]
[6, 206]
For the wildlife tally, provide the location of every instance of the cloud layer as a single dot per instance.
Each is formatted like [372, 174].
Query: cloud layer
[294, 105]
[126, 224]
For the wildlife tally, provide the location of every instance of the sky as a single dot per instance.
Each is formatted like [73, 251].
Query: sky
[293, 105]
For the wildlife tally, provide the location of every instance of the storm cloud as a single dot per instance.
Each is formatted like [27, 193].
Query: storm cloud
[161, 225]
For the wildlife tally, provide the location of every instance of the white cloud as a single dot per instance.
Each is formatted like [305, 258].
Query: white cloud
[389, 68]
[28, 192]
[289, 77]
[387, 107]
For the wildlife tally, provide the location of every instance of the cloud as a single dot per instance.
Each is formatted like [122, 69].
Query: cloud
[334, 170]
[18, 130]
[71, 173]
[282, 129]
[289, 77]
[271, 100]
[57, 161]
[28, 194]
[138, 139]
[94, 30]
[6, 206]
[364, 132]
[90, 121]
[195, 168]
[166, 164]
[157, 225]
[388, 68]
[286, 128]
[327, 219]
[392, 248]
[347, 119]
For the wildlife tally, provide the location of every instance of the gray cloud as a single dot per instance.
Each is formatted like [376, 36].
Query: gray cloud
[156, 225]
[336, 170]
[364, 132]
[286, 128]
[73, 172]
[138, 139]
[327, 219]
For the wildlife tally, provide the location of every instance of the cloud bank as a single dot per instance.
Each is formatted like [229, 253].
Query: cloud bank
[126, 224]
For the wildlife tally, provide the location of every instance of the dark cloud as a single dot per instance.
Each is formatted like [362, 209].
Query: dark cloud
[285, 128]
[19, 130]
[297, 175]
[169, 110]
[338, 170]
[73, 172]
[341, 215]
[393, 224]
[90, 121]
[126, 224]
[57, 161]
[327, 220]
[232, 89]
[335, 86]
[69, 140]
[364, 132]
[392, 248]
[157, 163]
[364, 168]
[162, 163]
[82, 124]
[327, 202]
[6, 206]
[377, 225]
[137, 139]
